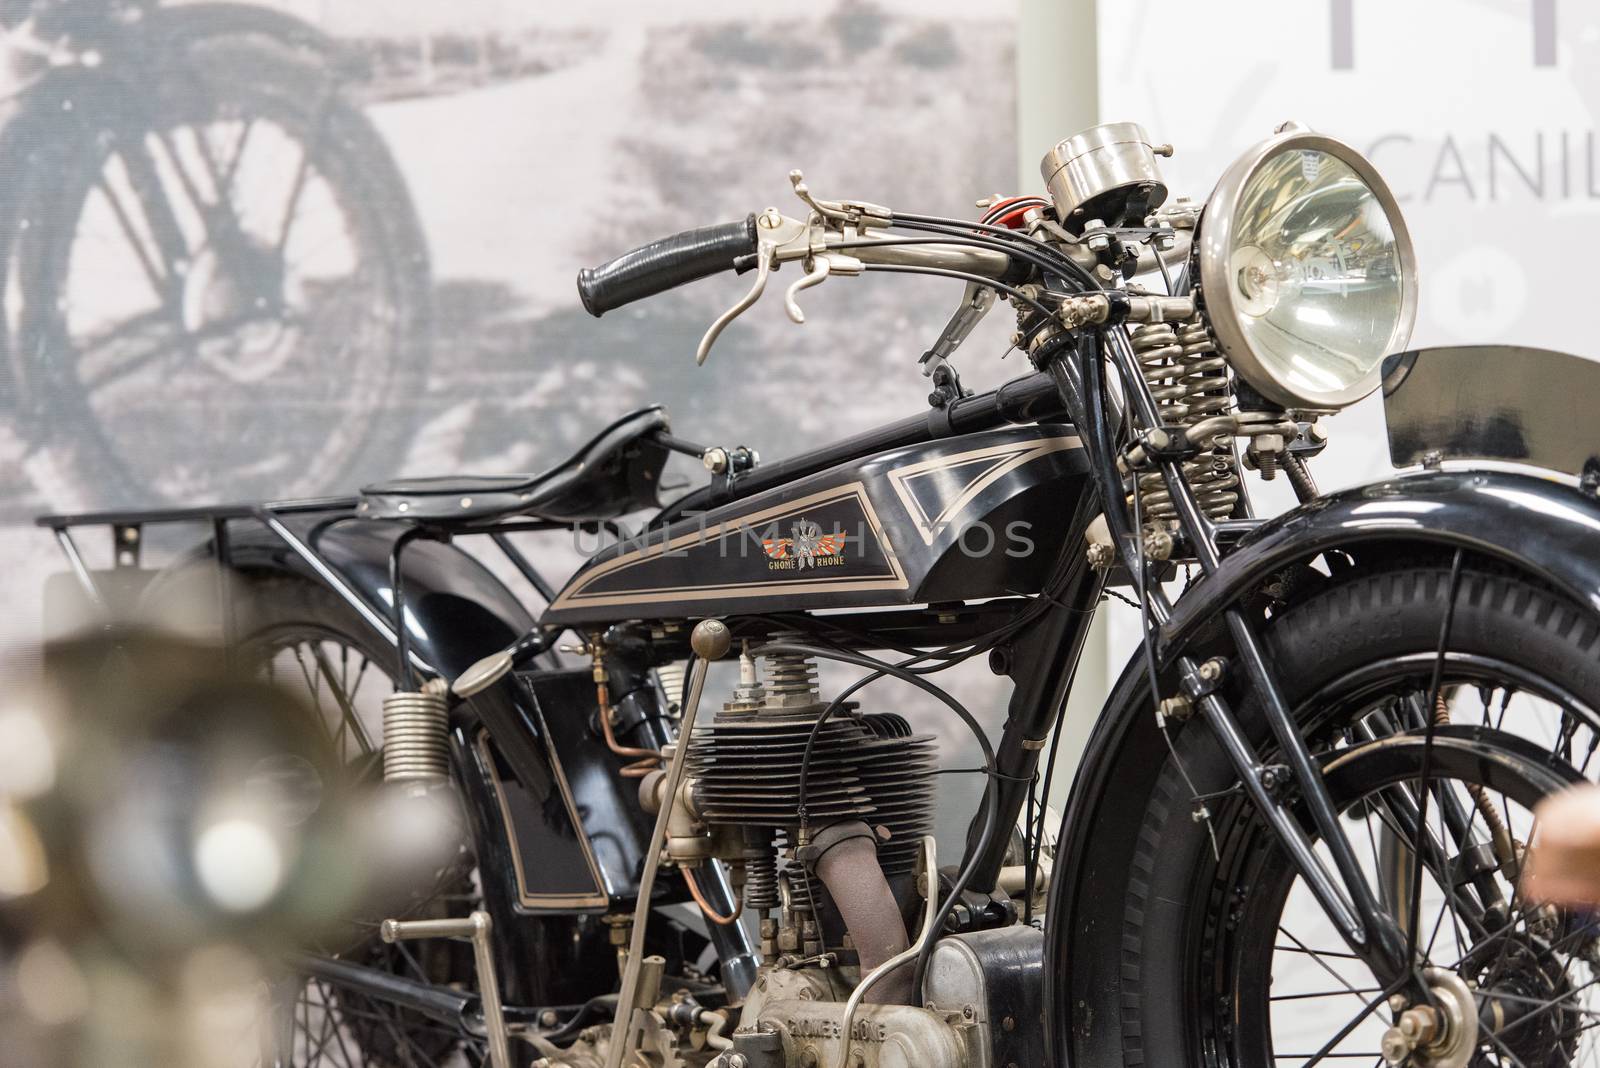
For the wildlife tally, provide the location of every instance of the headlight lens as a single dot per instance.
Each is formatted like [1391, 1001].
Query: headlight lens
[1307, 271]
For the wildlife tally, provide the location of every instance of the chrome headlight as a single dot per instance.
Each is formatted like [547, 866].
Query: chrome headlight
[1306, 271]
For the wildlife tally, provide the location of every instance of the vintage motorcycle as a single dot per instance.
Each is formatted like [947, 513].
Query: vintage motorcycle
[1297, 830]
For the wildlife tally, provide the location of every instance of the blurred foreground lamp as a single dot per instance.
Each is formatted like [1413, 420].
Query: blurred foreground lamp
[169, 826]
[1307, 272]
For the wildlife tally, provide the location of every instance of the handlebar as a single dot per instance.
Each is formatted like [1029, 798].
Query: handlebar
[664, 264]
[837, 238]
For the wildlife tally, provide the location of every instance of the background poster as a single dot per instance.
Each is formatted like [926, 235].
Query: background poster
[536, 139]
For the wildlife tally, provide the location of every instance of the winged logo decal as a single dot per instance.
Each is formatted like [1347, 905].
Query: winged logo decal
[807, 546]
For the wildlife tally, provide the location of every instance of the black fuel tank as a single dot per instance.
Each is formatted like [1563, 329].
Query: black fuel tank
[960, 518]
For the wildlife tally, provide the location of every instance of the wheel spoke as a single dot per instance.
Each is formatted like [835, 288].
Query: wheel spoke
[1322, 1056]
[338, 1026]
[347, 712]
[1345, 1031]
[1502, 1049]
[1317, 952]
[302, 175]
[158, 279]
[338, 1032]
[1547, 1003]
[1319, 961]
[1327, 994]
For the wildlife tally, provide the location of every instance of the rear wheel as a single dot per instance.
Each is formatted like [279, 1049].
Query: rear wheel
[1226, 960]
[306, 638]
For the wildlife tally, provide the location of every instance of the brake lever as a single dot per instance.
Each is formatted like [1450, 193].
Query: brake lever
[783, 240]
[764, 256]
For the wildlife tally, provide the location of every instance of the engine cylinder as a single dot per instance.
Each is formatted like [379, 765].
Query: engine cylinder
[747, 772]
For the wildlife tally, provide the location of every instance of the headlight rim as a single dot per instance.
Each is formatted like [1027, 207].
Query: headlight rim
[1214, 238]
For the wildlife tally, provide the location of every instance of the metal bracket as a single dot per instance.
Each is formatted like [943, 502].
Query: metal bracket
[126, 539]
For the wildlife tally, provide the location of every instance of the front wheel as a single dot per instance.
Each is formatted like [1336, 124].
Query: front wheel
[1225, 958]
[224, 287]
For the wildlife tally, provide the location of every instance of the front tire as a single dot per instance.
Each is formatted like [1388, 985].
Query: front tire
[232, 244]
[1199, 953]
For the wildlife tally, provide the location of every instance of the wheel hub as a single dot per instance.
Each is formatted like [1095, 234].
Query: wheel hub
[1442, 1035]
[1523, 992]
[237, 300]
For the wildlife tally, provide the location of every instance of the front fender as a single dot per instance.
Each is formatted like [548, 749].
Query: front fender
[457, 611]
[187, 23]
[1547, 529]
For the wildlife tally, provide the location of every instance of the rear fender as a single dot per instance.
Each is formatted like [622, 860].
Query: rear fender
[457, 611]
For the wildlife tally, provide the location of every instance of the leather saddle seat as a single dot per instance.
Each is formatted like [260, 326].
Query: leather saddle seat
[618, 471]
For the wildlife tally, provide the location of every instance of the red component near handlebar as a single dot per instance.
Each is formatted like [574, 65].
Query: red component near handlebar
[1009, 212]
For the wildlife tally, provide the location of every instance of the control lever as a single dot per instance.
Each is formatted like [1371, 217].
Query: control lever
[764, 256]
[975, 304]
[777, 238]
[857, 214]
[821, 267]
[780, 239]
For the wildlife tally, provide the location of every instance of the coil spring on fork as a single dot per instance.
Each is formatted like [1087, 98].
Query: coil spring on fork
[1189, 380]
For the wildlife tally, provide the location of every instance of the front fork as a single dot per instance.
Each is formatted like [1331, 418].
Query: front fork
[1342, 891]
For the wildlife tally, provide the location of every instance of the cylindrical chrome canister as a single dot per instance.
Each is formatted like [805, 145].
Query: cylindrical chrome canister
[1104, 172]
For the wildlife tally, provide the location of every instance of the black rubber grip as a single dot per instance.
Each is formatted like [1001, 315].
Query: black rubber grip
[661, 265]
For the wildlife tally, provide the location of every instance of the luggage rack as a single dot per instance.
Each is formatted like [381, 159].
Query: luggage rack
[127, 534]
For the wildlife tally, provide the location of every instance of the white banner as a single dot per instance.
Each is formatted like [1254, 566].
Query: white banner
[1480, 114]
